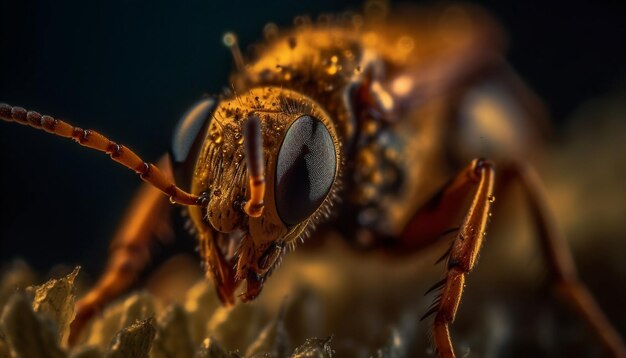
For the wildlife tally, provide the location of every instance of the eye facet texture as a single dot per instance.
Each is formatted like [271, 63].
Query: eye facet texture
[305, 169]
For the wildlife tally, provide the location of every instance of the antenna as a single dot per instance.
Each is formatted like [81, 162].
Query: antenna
[230, 40]
[253, 148]
[148, 172]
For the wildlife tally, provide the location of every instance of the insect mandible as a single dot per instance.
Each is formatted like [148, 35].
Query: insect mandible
[342, 122]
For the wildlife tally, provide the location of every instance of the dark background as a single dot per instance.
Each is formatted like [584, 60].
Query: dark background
[130, 69]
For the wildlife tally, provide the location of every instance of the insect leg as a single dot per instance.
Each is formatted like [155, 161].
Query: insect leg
[475, 182]
[462, 257]
[439, 213]
[148, 172]
[129, 253]
[559, 257]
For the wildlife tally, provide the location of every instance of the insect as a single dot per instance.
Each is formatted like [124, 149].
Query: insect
[351, 122]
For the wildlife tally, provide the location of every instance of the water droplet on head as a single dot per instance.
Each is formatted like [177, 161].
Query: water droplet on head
[492, 198]
[239, 138]
[216, 136]
[357, 21]
[270, 31]
[299, 21]
[172, 200]
[376, 9]
[323, 20]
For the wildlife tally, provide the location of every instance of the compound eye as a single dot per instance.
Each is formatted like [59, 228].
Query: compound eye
[305, 170]
[189, 128]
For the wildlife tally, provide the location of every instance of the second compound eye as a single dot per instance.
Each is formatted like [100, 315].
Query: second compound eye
[305, 170]
[189, 128]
